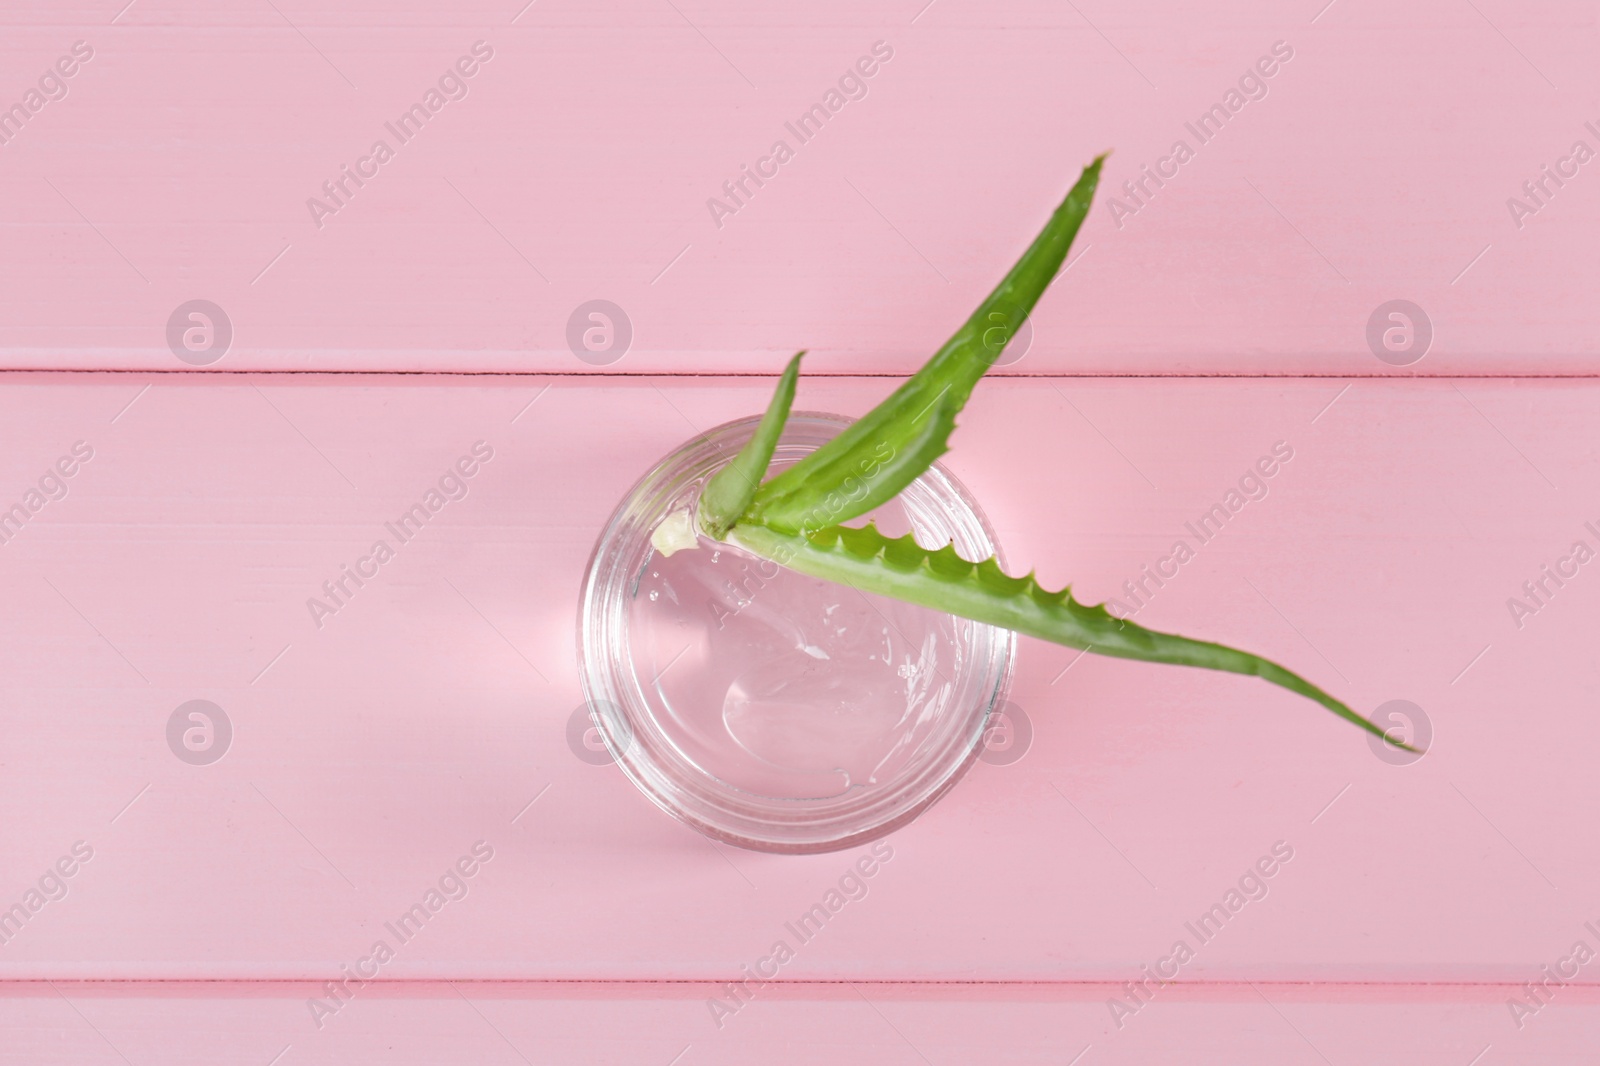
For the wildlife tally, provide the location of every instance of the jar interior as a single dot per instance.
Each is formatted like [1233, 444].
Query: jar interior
[787, 686]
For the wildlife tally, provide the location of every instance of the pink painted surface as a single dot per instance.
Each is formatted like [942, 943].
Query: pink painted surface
[372, 753]
[1377, 166]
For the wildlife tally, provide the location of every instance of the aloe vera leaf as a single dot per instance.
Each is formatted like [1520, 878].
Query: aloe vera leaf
[901, 568]
[915, 422]
[731, 489]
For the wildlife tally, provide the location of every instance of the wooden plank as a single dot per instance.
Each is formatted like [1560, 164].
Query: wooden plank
[1380, 164]
[819, 1023]
[369, 754]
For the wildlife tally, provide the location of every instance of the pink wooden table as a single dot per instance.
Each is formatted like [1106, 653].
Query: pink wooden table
[193, 911]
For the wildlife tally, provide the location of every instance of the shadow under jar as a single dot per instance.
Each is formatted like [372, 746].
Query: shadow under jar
[768, 709]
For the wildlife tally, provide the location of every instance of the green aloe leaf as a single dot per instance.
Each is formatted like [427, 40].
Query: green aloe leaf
[792, 519]
[914, 424]
[942, 580]
[731, 489]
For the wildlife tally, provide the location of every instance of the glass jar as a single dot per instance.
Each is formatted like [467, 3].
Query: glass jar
[772, 710]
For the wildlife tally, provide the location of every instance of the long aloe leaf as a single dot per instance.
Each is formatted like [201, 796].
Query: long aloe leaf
[915, 422]
[731, 489]
[941, 579]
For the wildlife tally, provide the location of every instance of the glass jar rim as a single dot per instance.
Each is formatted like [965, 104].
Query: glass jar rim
[641, 745]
